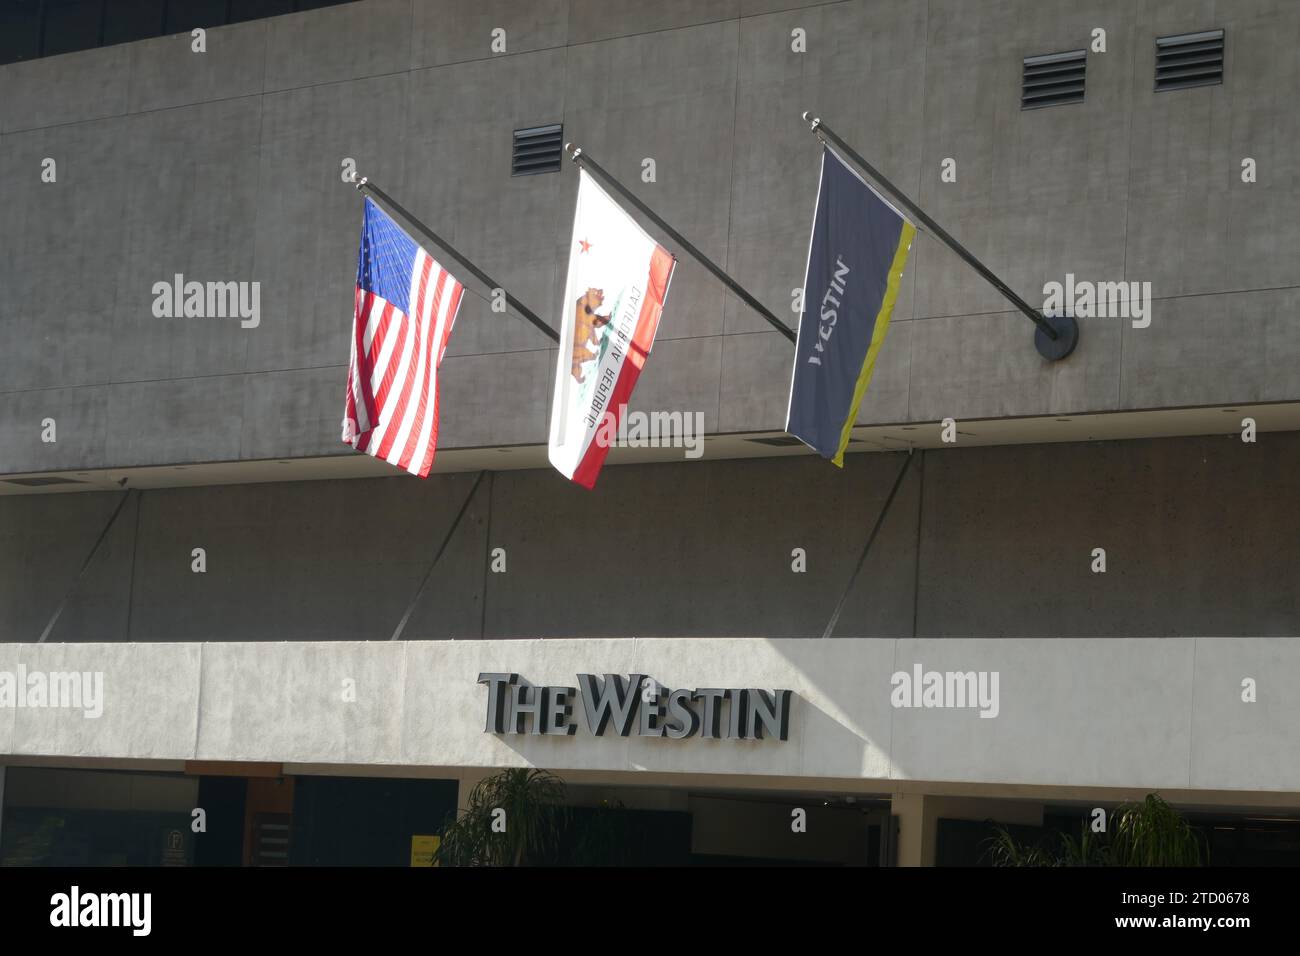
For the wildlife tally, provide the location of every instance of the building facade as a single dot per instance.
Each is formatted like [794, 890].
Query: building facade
[1097, 557]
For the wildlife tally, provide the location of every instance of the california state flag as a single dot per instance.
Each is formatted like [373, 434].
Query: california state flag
[618, 280]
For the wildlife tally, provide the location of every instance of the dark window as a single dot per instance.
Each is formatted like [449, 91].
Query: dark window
[32, 28]
[222, 843]
[20, 30]
[1192, 59]
[365, 821]
[184, 15]
[241, 10]
[71, 25]
[127, 20]
[1053, 80]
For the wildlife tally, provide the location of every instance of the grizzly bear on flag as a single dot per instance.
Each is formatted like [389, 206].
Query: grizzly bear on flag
[585, 324]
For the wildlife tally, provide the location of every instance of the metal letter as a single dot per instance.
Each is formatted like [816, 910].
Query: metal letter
[559, 710]
[712, 697]
[495, 723]
[612, 697]
[685, 721]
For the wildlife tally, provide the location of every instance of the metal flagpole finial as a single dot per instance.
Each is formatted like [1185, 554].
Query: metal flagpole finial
[812, 121]
[359, 181]
[575, 151]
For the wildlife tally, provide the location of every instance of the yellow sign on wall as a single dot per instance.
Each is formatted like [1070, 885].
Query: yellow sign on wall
[422, 850]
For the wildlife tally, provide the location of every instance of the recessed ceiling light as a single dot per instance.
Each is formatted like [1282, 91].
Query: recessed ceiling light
[909, 428]
[1229, 410]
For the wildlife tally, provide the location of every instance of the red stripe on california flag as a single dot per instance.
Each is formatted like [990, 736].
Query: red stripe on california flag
[647, 323]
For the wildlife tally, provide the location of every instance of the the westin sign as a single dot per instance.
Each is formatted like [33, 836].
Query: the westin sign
[635, 705]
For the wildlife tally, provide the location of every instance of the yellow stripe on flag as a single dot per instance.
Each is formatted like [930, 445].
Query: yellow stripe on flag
[877, 335]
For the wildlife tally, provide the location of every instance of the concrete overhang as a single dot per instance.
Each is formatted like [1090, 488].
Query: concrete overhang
[1068, 715]
[1105, 426]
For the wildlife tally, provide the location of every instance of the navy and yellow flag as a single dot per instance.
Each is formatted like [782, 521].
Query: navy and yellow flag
[855, 263]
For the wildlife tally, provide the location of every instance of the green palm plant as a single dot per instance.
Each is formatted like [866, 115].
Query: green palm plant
[529, 833]
[1005, 850]
[1152, 833]
[1149, 833]
[1088, 850]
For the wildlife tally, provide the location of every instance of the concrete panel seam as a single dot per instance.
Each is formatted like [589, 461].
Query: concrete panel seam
[1191, 715]
[198, 703]
[893, 764]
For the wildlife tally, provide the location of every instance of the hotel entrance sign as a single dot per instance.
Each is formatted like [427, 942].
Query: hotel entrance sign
[635, 705]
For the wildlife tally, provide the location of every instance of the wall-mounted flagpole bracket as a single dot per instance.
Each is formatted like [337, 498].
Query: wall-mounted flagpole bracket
[1056, 335]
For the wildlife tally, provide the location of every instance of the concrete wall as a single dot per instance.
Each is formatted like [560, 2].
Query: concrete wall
[1200, 538]
[1155, 714]
[225, 166]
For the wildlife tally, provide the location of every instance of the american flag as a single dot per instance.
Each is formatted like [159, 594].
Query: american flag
[405, 307]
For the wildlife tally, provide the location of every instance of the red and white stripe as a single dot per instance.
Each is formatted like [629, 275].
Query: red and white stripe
[392, 399]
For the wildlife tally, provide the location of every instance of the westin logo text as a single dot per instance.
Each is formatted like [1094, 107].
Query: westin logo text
[829, 304]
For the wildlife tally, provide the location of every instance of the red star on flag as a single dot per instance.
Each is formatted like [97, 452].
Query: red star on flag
[586, 246]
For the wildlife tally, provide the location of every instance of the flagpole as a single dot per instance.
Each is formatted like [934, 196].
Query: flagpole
[365, 185]
[58, 611]
[589, 164]
[1057, 335]
[857, 569]
[424, 583]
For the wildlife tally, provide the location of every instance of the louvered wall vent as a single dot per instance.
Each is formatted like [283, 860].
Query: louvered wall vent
[537, 150]
[1053, 80]
[1193, 59]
